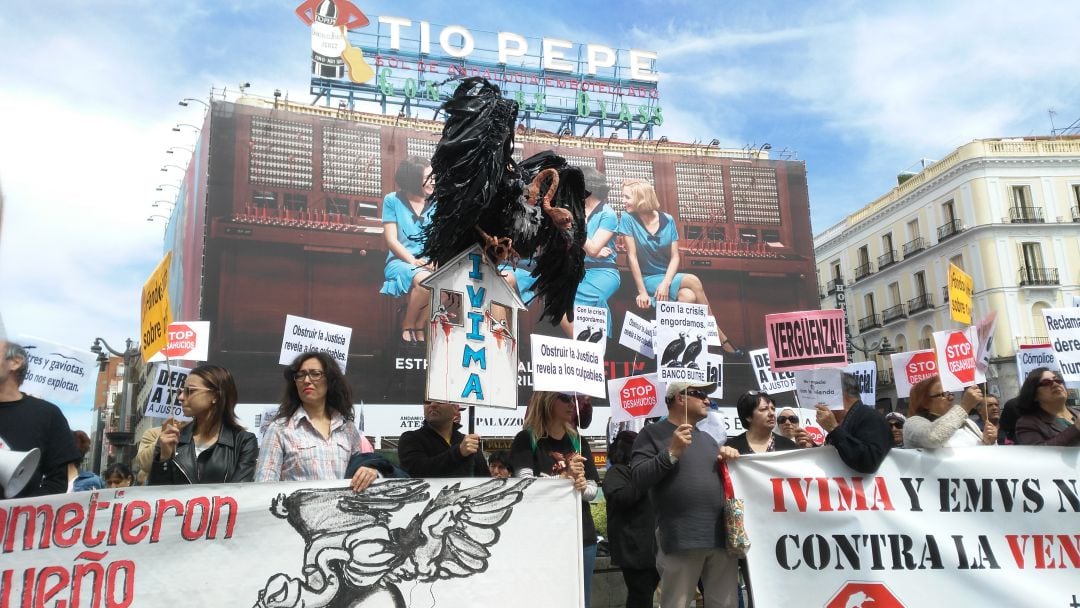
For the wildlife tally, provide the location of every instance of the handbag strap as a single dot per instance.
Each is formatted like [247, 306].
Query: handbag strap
[729, 491]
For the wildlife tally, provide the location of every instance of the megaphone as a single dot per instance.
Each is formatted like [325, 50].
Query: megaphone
[17, 469]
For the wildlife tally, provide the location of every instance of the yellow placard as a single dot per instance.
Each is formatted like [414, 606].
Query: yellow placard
[961, 289]
[156, 310]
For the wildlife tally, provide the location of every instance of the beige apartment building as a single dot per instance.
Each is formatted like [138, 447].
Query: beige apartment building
[1007, 211]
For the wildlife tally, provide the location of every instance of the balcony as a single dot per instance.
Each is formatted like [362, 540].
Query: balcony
[948, 229]
[926, 343]
[893, 313]
[830, 287]
[945, 294]
[1036, 277]
[864, 271]
[1076, 214]
[913, 246]
[867, 323]
[885, 377]
[887, 259]
[1026, 215]
[920, 303]
[1031, 341]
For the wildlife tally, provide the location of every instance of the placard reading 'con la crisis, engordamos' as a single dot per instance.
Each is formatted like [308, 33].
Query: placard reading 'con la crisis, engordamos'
[681, 330]
[806, 339]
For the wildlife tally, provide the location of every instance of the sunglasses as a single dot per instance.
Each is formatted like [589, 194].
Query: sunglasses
[699, 394]
[791, 419]
[896, 424]
[1050, 382]
[313, 374]
[945, 394]
[188, 390]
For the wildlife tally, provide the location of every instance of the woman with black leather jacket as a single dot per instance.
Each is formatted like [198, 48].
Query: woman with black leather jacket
[214, 448]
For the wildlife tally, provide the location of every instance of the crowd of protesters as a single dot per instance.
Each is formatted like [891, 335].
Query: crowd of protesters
[663, 494]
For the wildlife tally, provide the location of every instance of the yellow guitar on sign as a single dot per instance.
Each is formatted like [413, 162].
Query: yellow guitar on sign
[359, 70]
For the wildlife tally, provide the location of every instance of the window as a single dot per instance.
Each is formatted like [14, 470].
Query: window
[295, 202]
[958, 261]
[948, 211]
[868, 301]
[1031, 255]
[1023, 209]
[886, 243]
[913, 230]
[864, 255]
[920, 283]
[837, 275]
[894, 293]
[1021, 196]
[339, 206]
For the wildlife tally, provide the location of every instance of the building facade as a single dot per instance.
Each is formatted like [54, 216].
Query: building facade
[1007, 211]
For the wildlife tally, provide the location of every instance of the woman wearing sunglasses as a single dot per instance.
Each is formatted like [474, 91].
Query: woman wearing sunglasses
[1045, 419]
[313, 436]
[214, 448]
[757, 411]
[934, 421]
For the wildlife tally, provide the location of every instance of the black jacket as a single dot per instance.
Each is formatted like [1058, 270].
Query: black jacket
[424, 453]
[231, 459]
[631, 520]
[742, 444]
[863, 439]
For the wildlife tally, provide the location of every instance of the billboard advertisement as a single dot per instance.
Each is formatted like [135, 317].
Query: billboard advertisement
[294, 212]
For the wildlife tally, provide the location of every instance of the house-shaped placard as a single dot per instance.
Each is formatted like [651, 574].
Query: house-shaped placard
[472, 334]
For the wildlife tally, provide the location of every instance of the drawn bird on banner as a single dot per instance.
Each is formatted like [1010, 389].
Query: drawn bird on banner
[354, 558]
[535, 209]
[596, 335]
[584, 335]
[673, 350]
[690, 355]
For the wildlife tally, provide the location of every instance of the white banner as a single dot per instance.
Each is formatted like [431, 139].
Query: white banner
[58, 373]
[590, 324]
[679, 345]
[637, 334]
[769, 381]
[911, 368]
[1063, 325]
[956, 356]
[392, 420]
[560, 364]
[635, 397]
[1030, 357]
[866, 372]
[305, 335]
[167, 381]
[957, 527]
[401, 542]
[188, 341]
[814, 386]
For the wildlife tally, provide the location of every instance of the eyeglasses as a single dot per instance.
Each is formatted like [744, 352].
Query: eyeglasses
[791, 419]
[945, 394]
[699, 394]
[896, 424]
[309, 374]
[1045, 382]
[188, 390]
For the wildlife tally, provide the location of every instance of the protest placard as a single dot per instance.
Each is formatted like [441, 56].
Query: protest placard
[307, 335]
[188, 341]
[714, 367]
[635, 397]
[590, 324]
[637, 334]
[912, 367]
[560, 364]
[768, 380]
[155, 310]
[1030, 357]
[822, 385]
[806, 339]
[680, 341]
[866, 373]
[57, 373]
[713, 337]
[167, 381]
[956, 351]
[961, 290]
[1063, 325]
[985, 329]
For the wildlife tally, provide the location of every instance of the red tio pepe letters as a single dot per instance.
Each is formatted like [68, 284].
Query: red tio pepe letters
[960, 357]
[875, 595]
[638, 397]
[181, 341]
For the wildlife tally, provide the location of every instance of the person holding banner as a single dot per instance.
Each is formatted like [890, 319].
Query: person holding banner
[934, 421]
[404, 215]
[757, 411]
[1045, 418]
[550, 446]
[313, 435]
[862, 439]
[601, 279]
[438, 448]
[631, 525]
[652, 249]
[677, 464]
[214, 448]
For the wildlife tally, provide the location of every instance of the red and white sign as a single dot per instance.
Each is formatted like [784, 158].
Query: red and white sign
[187, 341]
[635, 397]
[862, 594]
[912, 367]
[806, 339]
[956, 354]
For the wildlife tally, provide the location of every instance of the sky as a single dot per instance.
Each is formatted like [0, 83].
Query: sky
[859, 91]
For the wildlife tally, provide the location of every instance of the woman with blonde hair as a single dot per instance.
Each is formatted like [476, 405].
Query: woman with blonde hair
[549, 446]
[652, 248]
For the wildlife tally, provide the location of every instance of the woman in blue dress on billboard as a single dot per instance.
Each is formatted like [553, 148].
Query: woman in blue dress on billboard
[601, 224]
[404, 215]
[652, 249]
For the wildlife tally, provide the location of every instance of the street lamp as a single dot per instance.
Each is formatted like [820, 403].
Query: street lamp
[184, 124]
[159, 188]
[165, 169]
[189, 150]
[184, 102]
[156, 215]
[881, 347]
[123, 435]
